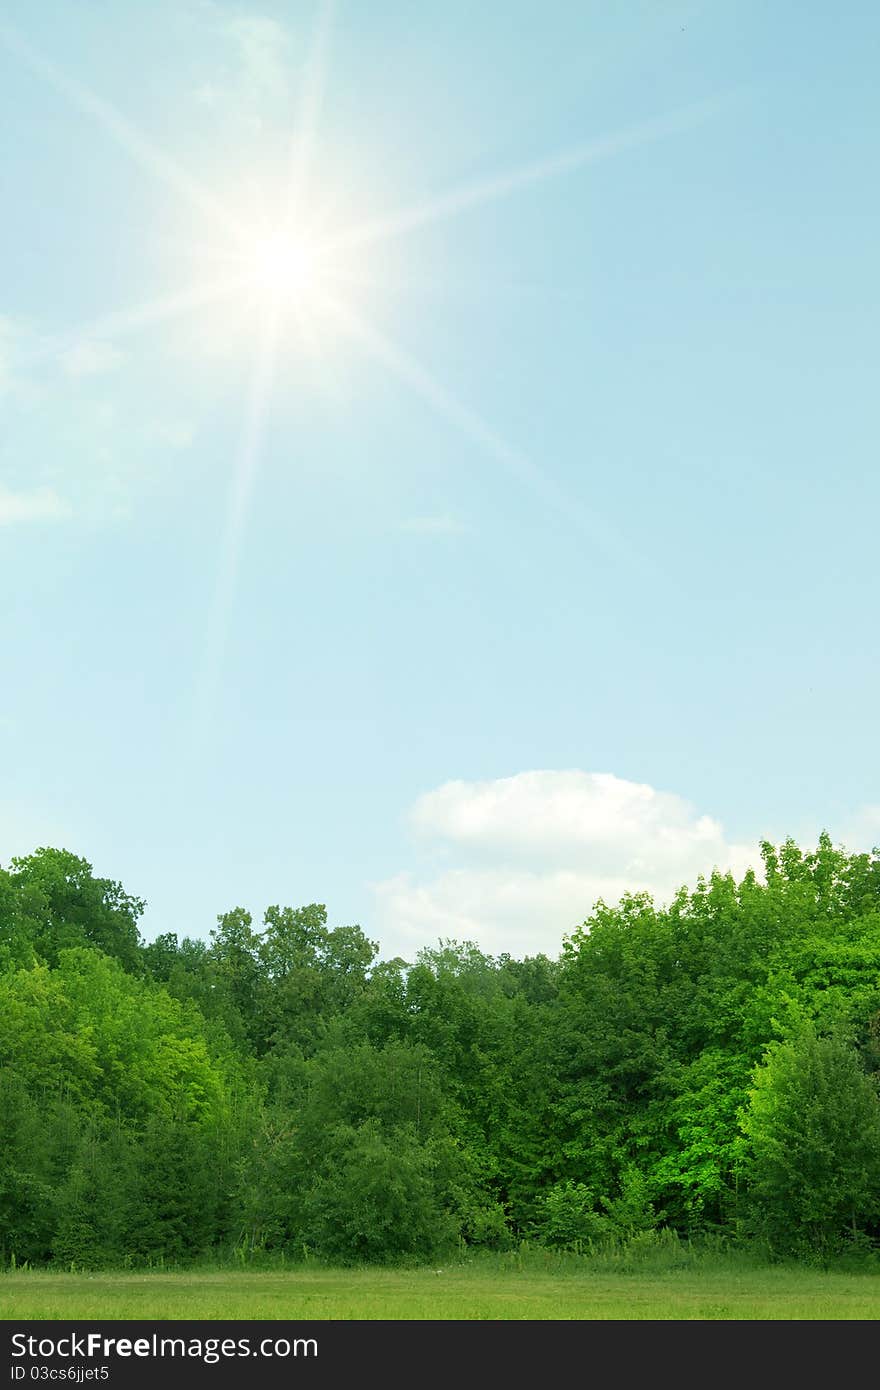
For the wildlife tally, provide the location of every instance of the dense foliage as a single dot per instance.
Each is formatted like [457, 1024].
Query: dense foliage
[707, 1066]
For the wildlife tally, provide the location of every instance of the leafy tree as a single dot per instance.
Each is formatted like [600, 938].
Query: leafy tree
[110, 1042]
[236, 973]
[812, 1145]
[380, 1198]
[695, 1169]
[569, 1217]
[177, 1200]
[28, 1180]
[709, 1064]
[326, 1152]
[65, 905]
[43, 1043]
[96, 1200]
[314, 973]
[17, 932]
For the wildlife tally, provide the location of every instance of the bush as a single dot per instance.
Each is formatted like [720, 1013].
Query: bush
[568, 1217]
[379, 1199]
[811, 1158]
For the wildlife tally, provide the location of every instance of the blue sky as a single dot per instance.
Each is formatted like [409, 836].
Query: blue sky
[502, 531]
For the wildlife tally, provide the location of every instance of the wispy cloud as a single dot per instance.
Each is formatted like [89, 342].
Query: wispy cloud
[91, 357]
[249, 86]
[116, 127]
[37, 504]
[261, 44]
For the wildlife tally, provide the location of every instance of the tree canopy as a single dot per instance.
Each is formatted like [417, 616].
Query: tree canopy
[707, 1065]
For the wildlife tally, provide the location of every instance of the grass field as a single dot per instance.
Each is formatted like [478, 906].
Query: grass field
[488, 1290]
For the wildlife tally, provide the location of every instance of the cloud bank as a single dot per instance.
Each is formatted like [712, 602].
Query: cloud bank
[520, 861]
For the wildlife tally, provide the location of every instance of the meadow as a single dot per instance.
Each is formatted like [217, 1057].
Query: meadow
[500, 1288]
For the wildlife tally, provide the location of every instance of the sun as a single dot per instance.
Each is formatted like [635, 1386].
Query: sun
[282, 266]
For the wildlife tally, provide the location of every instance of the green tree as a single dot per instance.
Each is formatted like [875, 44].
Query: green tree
[811, 1160]
[66, 905]
[568, 1216]
[29, 1131]
[237, 975]
[380, 1197]
[314, 973]
[17, 932]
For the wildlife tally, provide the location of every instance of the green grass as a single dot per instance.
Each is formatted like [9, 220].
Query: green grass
[499, 1288]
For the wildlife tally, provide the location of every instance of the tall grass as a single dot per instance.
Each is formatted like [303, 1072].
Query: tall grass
[656, 1252]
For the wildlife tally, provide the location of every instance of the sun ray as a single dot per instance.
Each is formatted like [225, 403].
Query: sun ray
[589, 522]
[474, 287]
[241, 486]
[303, 136]
[505, 184]
[281, 258]
[149, 155]
[289, 264]
[123, 323]
[326, 382]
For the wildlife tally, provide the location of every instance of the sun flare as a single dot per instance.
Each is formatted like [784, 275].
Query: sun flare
[282, 266]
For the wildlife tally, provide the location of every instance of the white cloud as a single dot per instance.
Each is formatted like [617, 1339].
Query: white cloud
[505, 909]
[38, 504]
[557, 816]
[91, 357]
[535, 851]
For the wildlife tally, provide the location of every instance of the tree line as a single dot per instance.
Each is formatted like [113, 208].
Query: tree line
[707, 1066]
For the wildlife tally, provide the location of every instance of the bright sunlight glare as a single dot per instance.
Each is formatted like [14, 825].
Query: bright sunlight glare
[282, 266]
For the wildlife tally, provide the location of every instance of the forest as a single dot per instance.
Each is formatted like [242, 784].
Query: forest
[709, 1067]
